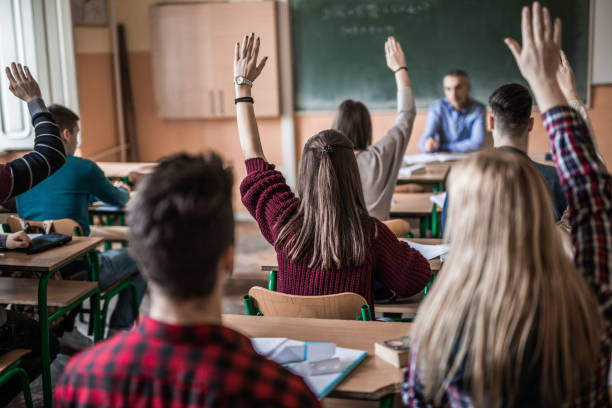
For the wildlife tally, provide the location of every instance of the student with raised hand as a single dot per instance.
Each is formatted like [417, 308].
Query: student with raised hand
[17, 176]
[180, 355]
[379, 163]
[325, 240]
[511, 320]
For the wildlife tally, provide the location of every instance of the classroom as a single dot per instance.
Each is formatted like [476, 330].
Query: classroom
[305, 203]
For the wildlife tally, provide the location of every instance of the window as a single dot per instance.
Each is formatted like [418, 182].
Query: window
[37, 33]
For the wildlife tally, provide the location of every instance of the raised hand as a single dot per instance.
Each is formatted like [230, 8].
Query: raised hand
[21, 83]
[565, 77]
[538, 59]
[17, 240]
[394, 54]
[245, 58]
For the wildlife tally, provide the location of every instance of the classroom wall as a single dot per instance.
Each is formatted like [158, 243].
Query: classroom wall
[158, 138]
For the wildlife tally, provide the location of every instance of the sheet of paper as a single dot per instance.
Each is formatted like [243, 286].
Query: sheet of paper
[266, 345]
[429, 251]
[438, 199]
[422, 158]
[323, 384]
[407, 171]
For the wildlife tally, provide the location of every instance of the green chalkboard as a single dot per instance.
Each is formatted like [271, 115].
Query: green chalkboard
[338, 47]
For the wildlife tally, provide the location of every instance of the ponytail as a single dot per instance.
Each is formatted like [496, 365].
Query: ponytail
[328, 226]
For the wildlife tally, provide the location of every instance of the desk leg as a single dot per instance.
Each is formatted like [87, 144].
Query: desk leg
[424, 227]
[435, 222]
[98, 326]
[44, 339]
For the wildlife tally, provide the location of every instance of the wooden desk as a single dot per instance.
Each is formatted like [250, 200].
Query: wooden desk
[371, 380]
[408, 205]
[417, 205]
[46, 263]
[434, 173]
[119, 170]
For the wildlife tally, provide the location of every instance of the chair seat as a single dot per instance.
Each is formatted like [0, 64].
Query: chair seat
[110, 233]
[8, 359]
[119, 282]
[60, 293]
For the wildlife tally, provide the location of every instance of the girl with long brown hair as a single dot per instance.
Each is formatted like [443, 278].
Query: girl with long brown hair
[511, 321]
[325, 240]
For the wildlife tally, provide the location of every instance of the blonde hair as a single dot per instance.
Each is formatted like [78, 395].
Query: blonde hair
[507, 292]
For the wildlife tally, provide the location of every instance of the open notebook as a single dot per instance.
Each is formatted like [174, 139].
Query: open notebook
[429, 251]
[321, 385]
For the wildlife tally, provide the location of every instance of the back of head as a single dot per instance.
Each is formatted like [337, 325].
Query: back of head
[511, 109]
[64, 117]
[181, 222]
[329, 225]
[507, 291]
[353, 120]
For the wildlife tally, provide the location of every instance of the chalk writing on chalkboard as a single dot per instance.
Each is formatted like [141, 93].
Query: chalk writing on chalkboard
[374, 11]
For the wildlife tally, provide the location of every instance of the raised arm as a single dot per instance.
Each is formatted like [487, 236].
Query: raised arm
[567, 82]
[246, 70]
[48, 156]
[586, 182]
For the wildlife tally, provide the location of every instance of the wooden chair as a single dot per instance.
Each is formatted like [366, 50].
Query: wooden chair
[9, 368]
[71, 227]
[346, 306]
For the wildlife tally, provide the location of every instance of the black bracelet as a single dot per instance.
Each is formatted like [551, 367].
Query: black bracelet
[400, 68]
[244, 99]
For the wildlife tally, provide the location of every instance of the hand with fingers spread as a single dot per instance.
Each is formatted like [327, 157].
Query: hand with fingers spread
[394, 54]
[538, 58]
[17, 240]
[565, 77]
[245, 59]
[21, 83]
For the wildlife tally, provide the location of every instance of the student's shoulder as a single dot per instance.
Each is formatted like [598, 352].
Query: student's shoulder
[102, 359]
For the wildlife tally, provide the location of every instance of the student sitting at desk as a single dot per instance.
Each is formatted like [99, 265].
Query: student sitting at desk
[379, 163]
[67, 194]
[325, 240]
[511, 122]
[512, 321]
[455, 123]
[18, 330]
[180, 355]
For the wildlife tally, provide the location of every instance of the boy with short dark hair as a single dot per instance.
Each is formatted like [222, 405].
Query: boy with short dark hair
[180, 355]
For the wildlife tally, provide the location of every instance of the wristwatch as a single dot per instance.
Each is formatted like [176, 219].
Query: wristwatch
[242, 80]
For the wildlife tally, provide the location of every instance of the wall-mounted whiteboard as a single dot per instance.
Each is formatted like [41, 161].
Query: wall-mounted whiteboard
[602, 42]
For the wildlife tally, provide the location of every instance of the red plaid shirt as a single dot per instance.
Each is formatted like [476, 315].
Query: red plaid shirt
[161, 365]
[588, 187]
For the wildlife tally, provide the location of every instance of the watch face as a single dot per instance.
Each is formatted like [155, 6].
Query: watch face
[240, 80]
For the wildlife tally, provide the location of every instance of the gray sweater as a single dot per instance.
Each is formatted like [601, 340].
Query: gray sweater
[379, 164]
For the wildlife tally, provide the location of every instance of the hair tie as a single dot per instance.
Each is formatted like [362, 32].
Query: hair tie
[327, 149]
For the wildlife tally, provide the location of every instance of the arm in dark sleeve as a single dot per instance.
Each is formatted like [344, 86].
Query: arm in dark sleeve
[398, 266]
[48, 156]
[103, 189]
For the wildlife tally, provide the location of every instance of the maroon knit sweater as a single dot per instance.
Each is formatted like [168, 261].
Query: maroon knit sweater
[391, 261]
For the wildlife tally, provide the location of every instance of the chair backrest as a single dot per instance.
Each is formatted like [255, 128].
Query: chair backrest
[346, 306]
[64, 226]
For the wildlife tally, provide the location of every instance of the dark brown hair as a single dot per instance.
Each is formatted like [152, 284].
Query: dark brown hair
[511, 108]
[353, 120]
[64, 117]
[331, 225]
[181, 221]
